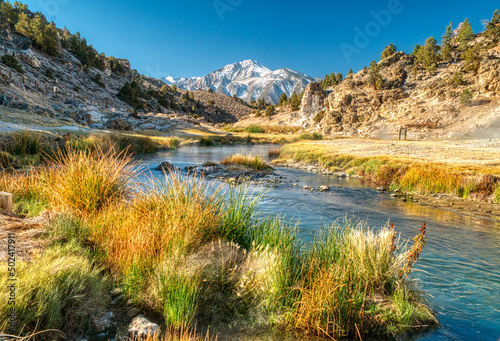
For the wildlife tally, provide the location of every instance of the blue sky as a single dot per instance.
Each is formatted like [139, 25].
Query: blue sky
[194, 37]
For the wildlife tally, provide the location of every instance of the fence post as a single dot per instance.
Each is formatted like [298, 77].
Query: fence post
[6, 201]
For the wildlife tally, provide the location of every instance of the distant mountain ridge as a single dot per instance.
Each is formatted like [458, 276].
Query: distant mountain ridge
[248, 80]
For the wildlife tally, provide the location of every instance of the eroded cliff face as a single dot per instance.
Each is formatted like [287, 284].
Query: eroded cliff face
[428, 105]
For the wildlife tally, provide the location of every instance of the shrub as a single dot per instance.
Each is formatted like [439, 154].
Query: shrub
[26, 142]
[270, 111]
[313, 136]
[131, 93]
[319, 117]
[49, 74]
[254, 129]
[206, 142]
[98, 79]
[457, 78]
[466, 97]
[12, 62]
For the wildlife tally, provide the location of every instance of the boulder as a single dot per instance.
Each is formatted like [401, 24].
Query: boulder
[165, 166]
[118, 124]
[324, 189]
[142, 328]
[313, 99]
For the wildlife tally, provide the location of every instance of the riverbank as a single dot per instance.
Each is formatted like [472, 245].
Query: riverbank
[456, 175]
[185, 254]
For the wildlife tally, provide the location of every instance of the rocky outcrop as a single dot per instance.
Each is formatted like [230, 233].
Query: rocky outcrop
[313, 99]
[428, 105]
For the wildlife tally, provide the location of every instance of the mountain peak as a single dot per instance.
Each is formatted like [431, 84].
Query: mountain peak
[248, 80]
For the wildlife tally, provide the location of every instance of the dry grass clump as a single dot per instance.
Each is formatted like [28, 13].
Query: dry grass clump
[256, 162]
[84, 182]
[353, 275]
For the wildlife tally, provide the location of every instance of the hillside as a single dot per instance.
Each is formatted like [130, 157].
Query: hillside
[458, 97]
[69, 82]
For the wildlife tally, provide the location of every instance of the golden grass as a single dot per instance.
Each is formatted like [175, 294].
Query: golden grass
[256, 162]
[404, 173]
[85, 182]
[151, 244]
[174, 216]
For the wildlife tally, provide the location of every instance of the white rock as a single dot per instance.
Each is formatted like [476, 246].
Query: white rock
[142, 328]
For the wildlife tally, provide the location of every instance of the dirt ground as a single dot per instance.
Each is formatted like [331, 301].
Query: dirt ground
[27, 235]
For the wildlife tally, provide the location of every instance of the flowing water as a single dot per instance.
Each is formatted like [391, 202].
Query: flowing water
[459, 270]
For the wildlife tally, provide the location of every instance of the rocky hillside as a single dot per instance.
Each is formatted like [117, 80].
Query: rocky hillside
[248, 80]
[457, 99]
[99, 92]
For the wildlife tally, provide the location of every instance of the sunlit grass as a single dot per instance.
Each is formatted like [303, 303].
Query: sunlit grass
[400, 173]
[256, 162]
[190, 252]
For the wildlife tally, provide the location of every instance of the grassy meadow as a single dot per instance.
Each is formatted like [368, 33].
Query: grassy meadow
[201, 256]
[404, 174]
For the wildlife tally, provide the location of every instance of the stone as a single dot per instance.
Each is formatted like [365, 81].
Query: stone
[324, 188]
[165, 166]
[381, 189]
[308, 188]
[132, 312]
[116, 292]
[295, 185]
[118, 124]
[105, 323]
[6, 201]
[142, 328]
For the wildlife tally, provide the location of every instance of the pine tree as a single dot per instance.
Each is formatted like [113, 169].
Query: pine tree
[428, 55]
[8, 11]
[493, 28]
[294, 102]
[465, 35]
[339, 77]
[23, 26]
[283, 99]
[448, 35]
[416, 49]
[374, 77]
[472, 60]
[388, 51]
[349, 73]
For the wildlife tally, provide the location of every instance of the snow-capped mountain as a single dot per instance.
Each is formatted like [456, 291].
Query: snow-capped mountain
[247, 80]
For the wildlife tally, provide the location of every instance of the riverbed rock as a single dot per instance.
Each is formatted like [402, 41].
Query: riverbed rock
[166, 166]
[308, 188]
[142, 328]
[324, 189]
[105, 323]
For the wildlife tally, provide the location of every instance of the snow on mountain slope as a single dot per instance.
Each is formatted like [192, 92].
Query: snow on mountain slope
[249, 80]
